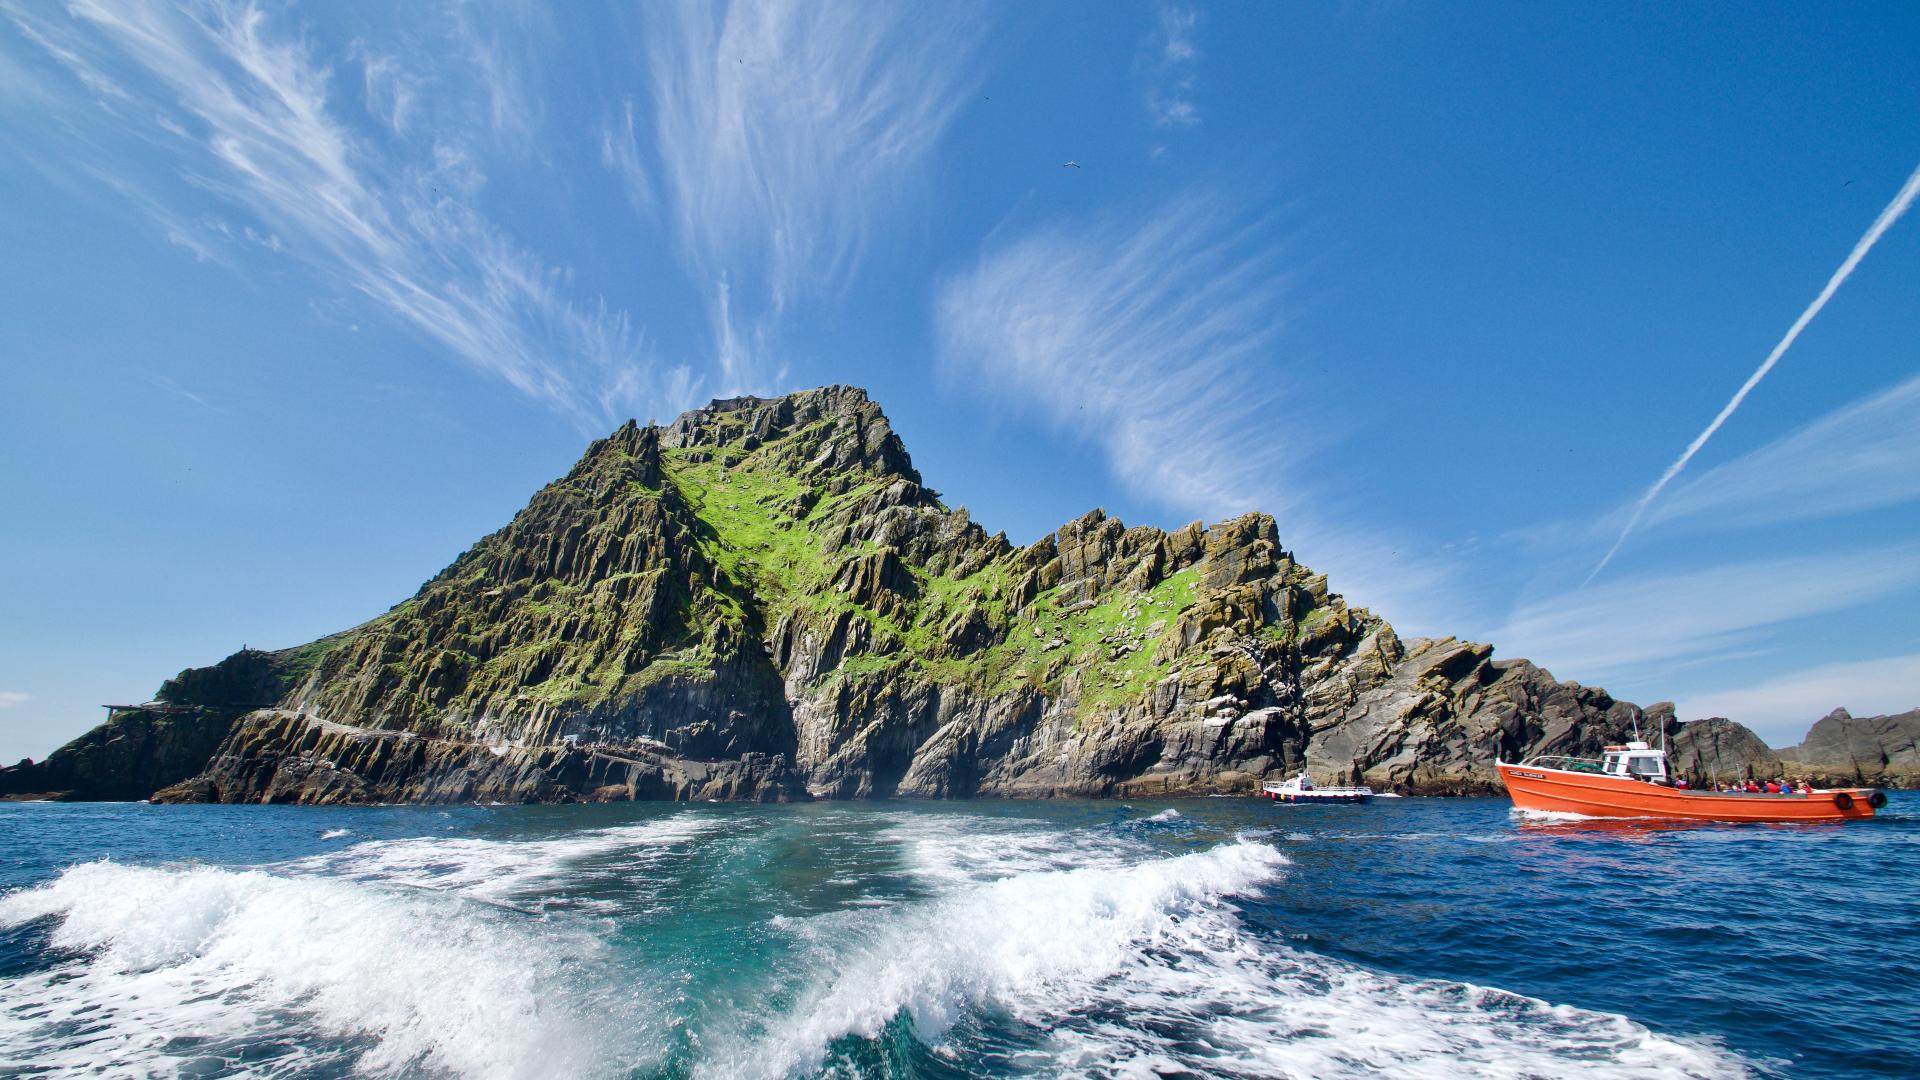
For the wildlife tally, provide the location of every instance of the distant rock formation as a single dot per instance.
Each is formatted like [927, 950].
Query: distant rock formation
[1841, 748]
[762, 601]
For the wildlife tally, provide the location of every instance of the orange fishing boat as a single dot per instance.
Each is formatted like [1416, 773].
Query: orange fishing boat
[1631, 782]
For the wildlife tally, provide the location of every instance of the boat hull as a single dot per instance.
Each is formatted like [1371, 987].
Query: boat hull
[1313, 797]
[1593, 795]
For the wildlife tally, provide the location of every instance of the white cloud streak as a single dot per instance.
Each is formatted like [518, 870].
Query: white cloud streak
[1141, 336]
[1669, 619]
[1863, 456]
[247, 119]
[10, 698]
[1881, 224]
[1781, 709]
[783, 131]
[1152, 335]
[1170, 97]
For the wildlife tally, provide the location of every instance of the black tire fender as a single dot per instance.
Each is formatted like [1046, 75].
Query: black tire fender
[1877, 800]
[1843, 800]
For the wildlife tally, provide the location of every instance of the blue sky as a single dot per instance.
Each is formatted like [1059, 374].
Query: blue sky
[301, 300]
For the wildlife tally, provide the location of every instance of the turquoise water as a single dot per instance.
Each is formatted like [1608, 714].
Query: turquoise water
[1213, 937]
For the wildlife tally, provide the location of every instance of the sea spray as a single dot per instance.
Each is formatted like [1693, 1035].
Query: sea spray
[176, 959]
[1143, 966]
[503, 870]
[1000, 943]
[895, 939]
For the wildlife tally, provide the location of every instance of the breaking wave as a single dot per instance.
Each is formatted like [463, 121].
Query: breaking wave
[401, 954]
[1146, 968]
[206, 970]
[1009, 946]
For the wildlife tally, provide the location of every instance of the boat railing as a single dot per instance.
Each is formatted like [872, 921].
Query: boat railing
[1564, 763]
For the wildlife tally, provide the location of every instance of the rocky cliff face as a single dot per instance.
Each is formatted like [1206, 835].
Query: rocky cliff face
[1717, 749]
[761, 600]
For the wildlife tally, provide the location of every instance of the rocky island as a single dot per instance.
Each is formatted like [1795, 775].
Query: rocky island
[761, 600]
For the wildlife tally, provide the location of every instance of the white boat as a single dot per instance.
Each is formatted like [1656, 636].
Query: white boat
[1301, 789]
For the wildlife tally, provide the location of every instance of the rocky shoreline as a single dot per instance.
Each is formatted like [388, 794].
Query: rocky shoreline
[762, 601]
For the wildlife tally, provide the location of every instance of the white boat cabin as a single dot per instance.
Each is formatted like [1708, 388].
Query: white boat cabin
[1301, 789]
[1635, 759]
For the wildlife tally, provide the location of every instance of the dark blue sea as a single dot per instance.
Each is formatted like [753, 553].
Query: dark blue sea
[1206, 937]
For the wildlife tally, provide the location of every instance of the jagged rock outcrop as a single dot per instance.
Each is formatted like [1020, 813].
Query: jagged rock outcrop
[1841, 749]
[1719, 750]
[762, 600]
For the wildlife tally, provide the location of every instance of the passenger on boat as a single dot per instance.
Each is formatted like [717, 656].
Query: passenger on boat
[1773, 787]
[1681, 783]
[1806, 788]
[1753, 787]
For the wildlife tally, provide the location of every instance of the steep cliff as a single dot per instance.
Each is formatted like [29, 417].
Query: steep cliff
[761, 600]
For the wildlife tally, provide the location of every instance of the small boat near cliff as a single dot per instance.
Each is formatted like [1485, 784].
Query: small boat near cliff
[1631, 781]
[1301, 789]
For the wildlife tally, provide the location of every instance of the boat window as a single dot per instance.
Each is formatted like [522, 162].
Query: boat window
[1647, 766]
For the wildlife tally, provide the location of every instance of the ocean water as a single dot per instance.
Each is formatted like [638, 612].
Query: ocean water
[1206, 937]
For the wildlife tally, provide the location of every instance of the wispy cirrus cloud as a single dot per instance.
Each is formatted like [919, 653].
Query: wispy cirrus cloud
[1671, 619]
[243, 112]
[783, 132]
[1173, 55]
[1138, 332]
[10, 698]
[1153, 335]
[1862, 456]
[1780, 709]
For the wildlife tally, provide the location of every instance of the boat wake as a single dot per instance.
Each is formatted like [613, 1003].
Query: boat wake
[516, 871]
[1148, 968]
[1551, 815]
[1005, 947]
[400, 955]
[209, 971]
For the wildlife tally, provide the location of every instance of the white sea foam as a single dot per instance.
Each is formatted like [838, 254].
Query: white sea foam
[951, 851]
[995, 943]
[503, 870]
[335, 834]
[1144, 967]
[1551, 815]
[180, 966]
[1164, 815]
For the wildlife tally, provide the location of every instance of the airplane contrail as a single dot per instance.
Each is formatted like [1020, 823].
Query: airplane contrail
[1880, 225]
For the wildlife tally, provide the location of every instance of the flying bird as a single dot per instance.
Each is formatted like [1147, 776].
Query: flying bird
[1069, 164]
